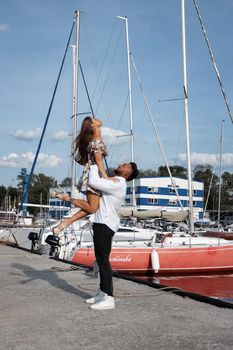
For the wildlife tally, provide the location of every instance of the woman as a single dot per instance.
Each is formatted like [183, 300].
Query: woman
[89, 149]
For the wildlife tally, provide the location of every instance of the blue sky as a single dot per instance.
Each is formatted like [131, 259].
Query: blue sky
[33, 37]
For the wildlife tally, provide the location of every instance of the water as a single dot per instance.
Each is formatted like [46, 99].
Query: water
[214, 286]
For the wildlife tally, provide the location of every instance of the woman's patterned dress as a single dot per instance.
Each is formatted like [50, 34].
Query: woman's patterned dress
[95, 146]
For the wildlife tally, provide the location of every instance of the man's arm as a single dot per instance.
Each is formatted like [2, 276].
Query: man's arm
[102, 184]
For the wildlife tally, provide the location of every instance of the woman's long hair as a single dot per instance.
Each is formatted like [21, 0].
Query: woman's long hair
[82, 140]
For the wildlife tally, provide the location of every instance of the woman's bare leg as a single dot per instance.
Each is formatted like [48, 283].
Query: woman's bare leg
[88, 206]
[66, 222]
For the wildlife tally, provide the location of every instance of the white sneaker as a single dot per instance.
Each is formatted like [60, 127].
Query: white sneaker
[96, 298]
[106, 303]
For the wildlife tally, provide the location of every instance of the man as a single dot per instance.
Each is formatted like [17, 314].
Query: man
[105, 223]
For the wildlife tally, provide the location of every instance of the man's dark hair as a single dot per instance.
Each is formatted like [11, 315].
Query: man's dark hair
[134, 172]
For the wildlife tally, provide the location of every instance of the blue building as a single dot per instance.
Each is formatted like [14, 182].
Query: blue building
[158, 193]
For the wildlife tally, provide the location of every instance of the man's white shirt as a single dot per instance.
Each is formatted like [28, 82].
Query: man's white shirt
[113, 194]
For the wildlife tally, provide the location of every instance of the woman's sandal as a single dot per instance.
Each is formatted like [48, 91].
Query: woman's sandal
[60, 227]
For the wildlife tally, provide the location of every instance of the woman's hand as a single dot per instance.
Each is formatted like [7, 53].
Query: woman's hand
[66, 197]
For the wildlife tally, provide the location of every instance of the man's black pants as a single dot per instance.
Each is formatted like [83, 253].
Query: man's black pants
[103, 244]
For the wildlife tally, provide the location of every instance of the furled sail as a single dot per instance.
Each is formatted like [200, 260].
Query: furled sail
[150, 214]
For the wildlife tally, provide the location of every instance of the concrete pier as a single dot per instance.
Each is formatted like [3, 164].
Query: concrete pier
[42, 307]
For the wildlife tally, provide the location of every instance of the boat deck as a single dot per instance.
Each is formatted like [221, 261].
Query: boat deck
[42, 307]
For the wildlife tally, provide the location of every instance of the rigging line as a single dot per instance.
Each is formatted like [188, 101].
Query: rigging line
[85, 85]
[113, 148]
[210, 187]
[180, 132]
[156, 132]
[121, 117]
[213, 61]
[46, 120]
[114, 143]
[123, 109]
[109, 69]
[225, 212]
[146, 29]
[107, 109]
[220, 171]
[93, 58]
[88, 96]
[179, 138]
[96, 68]
[104, 60]
[208, 194]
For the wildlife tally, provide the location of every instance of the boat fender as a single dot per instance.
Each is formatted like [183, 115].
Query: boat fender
[155, 261]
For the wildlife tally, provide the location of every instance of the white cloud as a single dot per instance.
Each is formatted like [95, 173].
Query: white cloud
[60, 136]
[24, 160]
[4, 27]
[28, 135]
[113, 136]
[208, 158]
[48, 161]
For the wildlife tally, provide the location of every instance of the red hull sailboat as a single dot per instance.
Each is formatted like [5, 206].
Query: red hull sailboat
[163, 260]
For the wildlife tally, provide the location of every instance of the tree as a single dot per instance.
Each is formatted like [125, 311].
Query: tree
[66, 182]
[226, 191]
[38, 190]
[227, 180]
[205, 174]
[176, 171]
[11, 193]
[148, 172]
[2, 196]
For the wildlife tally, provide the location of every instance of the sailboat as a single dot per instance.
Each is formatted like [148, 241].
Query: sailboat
[174, 253]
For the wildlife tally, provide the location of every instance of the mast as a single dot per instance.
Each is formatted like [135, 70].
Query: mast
[130, 101]
[220, 173]
[75, 51]
[188, 152]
